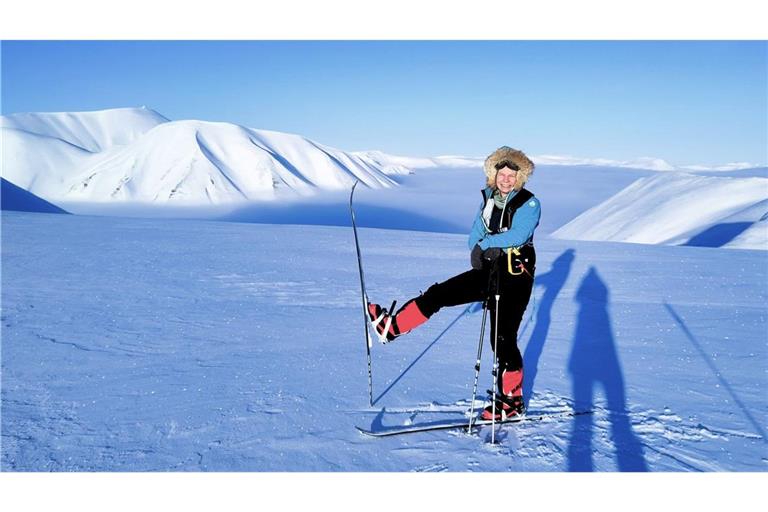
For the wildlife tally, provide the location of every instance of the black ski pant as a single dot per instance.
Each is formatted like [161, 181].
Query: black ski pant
[478, 285]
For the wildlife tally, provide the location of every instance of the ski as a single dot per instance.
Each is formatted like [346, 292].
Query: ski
[464, 424]
[368, 341]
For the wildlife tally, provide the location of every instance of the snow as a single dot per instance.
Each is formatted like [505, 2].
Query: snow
[42, 151]
[406, 162]
[17, 199]
[136, 156]
[650, 163]
[91, 131]
[139, 338]
[215, 163]
[678, 208]
[130, 157]
[754, 237]
[645, 163]
[154, 344]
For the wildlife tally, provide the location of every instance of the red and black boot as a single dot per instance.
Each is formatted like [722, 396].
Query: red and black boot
[389, 327]
[510, 403]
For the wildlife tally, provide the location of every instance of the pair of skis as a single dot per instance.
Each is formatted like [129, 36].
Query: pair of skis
[464, 424]
[368, 340]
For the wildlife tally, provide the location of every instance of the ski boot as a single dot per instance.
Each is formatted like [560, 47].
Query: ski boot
[510, 403]
[507, 408]
[389, 327]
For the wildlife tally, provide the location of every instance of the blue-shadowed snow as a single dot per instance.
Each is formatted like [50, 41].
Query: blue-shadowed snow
[708, 211]
[155, 345]
[150, 333]
[17, 199]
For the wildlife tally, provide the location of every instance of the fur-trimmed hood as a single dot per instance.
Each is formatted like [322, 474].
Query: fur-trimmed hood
[514, 156]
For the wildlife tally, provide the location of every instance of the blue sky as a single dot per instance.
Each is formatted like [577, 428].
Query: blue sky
[688, 102]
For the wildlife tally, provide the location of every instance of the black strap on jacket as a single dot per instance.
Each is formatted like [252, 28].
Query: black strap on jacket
[513, 204]
[516, 202]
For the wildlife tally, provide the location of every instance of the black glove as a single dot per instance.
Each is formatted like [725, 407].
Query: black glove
[477, 258]
[490, 255]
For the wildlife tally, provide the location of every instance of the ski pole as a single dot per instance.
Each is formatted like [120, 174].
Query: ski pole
[477, 364]
[479, 351]
[495, 355]
[495, 370]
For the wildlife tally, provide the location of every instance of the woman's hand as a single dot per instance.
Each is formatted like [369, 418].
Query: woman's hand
[476, 258]
[490, 255]
[480, 258]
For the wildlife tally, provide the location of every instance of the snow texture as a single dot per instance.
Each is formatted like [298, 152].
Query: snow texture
[138, 156]
[680, 209]
[18, 199]
[645, 163]
[232, 340]
[155, 345]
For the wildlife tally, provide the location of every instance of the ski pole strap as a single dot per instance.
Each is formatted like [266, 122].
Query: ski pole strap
[387, 325]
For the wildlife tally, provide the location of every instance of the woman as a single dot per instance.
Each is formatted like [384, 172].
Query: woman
[503, 263]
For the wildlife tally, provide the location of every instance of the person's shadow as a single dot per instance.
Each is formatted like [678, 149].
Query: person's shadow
[594, 361]
[552, 282]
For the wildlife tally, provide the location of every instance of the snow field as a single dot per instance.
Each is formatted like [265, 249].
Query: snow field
[156, 345]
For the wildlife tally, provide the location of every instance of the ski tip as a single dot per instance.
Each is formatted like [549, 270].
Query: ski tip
[365, 431]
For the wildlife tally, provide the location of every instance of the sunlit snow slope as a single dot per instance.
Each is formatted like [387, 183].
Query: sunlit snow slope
[136, 155]
[680, 209]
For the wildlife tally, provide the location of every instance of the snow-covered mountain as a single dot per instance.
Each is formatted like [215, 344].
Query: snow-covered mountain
[680, 209]
[139, 344]
[647, 163]
[642, 163]
[408, 162]
[137, 155]
[90, 131]
[217, 163]
[43, 152]
[104, 162]
[753, 237]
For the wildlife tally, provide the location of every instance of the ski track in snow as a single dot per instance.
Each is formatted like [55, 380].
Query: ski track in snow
[156, 345]
[662, 436]
[309, 293]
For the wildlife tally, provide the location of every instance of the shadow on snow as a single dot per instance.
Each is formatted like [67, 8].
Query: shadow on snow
[719, 234]
[320, 213]
[552, 282]
[594, 361]
[466, 310]
[716, 372]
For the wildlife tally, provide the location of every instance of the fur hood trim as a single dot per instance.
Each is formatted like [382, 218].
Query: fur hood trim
[515, 156]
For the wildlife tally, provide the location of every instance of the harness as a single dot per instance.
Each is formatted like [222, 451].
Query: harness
[515, 266]
[517, 257]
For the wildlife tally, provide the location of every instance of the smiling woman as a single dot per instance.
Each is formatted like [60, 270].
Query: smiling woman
[503, 266]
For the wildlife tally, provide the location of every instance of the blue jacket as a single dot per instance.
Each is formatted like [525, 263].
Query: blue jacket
[524, 222]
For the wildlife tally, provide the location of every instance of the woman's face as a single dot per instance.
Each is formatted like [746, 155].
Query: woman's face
[505, 180]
